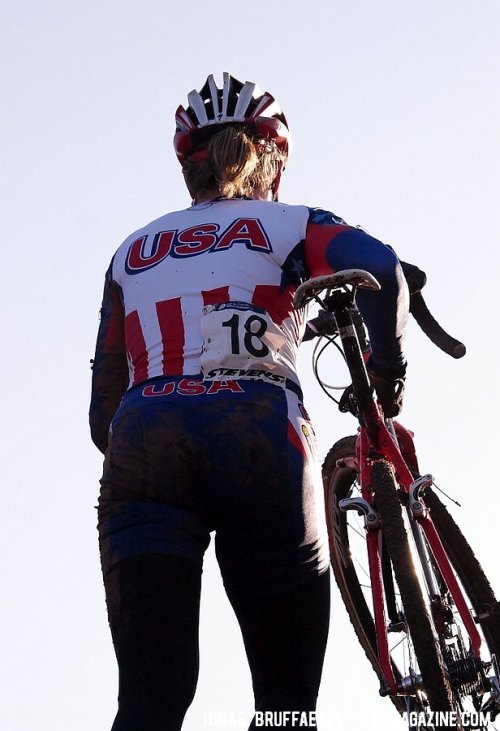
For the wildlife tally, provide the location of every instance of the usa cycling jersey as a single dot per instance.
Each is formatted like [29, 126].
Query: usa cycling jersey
[209, 290]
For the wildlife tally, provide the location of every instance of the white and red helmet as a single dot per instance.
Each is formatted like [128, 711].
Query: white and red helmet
[236, 102]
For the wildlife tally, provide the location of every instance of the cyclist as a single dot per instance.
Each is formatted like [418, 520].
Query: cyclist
[197, 405]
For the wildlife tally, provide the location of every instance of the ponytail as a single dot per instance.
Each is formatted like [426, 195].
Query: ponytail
[234, 164]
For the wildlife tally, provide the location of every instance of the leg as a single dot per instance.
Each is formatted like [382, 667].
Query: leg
[151, 554]
[153, 607]
[285, 638]
[272, 552]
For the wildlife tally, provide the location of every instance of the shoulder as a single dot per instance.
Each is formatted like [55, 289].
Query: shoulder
[321, 217]
[277, 209]
[168, 220]
[165, 223]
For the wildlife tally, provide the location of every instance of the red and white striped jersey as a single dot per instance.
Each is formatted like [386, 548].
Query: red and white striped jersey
[209, 289]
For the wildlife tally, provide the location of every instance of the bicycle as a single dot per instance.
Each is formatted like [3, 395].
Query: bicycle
[425, 586]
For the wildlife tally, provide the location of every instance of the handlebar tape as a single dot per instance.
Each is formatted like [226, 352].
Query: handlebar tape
[433, 329]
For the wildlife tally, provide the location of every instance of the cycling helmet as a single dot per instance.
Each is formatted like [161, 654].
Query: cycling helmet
[234, 103]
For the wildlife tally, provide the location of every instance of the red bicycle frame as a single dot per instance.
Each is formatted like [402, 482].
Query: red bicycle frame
[375, 441]
[384, 439]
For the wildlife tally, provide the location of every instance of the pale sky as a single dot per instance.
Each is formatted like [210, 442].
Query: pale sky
[394, 110]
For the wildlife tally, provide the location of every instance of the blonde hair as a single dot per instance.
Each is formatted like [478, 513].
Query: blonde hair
[234, 163]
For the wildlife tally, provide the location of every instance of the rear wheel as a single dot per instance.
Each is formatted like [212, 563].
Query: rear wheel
[469, 571]
[346, 539]
[475, 681]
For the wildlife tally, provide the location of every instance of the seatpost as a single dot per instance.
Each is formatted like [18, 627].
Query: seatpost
[340, 304]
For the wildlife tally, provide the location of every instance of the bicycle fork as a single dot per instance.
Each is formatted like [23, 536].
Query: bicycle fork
[420, 522]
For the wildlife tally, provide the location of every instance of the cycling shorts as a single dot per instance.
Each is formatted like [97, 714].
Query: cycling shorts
[187, 457]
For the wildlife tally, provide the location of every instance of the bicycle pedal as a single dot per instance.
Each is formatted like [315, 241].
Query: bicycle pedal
[492, 707]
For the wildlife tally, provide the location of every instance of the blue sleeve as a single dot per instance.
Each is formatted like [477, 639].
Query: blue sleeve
[385, 312]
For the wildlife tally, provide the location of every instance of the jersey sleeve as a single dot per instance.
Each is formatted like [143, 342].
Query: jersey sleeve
[110, 374]
[332, 245]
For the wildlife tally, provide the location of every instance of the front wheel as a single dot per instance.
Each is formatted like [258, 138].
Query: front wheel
[420, 631]
[348, 557]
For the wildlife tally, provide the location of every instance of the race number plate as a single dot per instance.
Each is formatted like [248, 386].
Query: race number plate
[240, 337]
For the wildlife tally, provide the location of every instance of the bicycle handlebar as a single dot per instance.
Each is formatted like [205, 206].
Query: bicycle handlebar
[433, 329]
[324, 324]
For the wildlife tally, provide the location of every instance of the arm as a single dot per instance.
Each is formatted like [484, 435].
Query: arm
[110, 369]
[332, 245]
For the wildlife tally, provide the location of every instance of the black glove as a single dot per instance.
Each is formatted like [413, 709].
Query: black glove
[414, 276]
[389, 385]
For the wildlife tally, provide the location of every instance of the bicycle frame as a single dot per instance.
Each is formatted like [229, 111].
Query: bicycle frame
[382, 438]
[384, 446]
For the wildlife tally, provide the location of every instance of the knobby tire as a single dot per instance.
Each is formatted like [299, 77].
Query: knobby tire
[469, 571]
[338, 481]
[420, 626]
